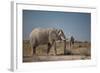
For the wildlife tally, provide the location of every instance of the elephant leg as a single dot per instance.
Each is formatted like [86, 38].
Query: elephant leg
[55, 48]
[64, 47]
[70, 44]
[49, 46]
[34, 50]
[64, 44]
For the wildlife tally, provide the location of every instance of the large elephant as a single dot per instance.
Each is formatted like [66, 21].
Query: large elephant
[48, 36]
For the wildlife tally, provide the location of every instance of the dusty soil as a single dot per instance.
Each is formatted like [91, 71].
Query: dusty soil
[54, 58]
[79, 51]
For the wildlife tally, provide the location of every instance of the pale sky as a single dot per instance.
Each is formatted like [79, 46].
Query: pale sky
[77, 24]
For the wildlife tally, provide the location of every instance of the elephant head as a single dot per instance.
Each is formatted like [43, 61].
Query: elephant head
[56, 34]
[61, 35]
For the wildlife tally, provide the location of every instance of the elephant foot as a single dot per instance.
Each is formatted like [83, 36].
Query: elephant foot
[34, 55]
[54, 54]
[48, 54]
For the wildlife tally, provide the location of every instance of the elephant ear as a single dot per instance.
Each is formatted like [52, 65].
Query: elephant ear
[52, 35]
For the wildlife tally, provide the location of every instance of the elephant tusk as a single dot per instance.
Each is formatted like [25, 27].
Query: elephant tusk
[62, 38]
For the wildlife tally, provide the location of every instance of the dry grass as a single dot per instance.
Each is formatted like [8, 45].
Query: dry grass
[41, 49]
[81, 49]
[78, 49]
[27, 50]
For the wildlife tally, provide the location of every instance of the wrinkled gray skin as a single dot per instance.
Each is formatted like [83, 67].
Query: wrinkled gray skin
[40, 36]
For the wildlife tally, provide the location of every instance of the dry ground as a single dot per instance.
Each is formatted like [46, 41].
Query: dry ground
[54, 58]
[79, 51]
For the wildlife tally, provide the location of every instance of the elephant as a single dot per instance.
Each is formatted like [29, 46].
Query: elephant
[40, 36]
